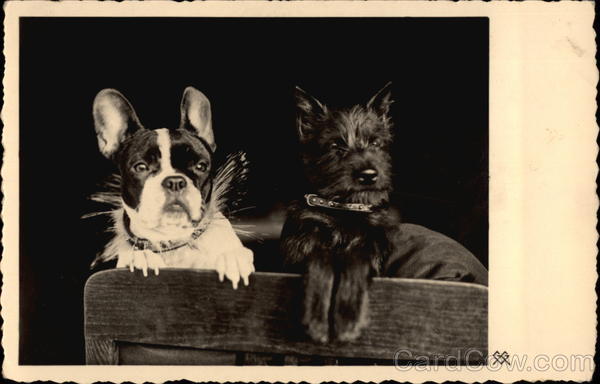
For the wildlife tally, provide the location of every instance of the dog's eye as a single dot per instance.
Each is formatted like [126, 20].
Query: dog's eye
[375, 143]
[201, 166]
[140, 167]
[336, 145]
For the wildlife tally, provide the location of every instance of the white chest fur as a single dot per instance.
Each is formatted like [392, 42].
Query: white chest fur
[217, 248]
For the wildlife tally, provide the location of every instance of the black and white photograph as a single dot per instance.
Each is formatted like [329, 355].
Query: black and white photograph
[255, 191]
[191, 162]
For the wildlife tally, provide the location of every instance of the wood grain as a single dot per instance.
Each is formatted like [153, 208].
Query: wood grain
[101, 351]
[142, 354]
[192, 309]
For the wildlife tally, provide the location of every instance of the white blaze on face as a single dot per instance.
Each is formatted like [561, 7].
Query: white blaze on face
[152, 219]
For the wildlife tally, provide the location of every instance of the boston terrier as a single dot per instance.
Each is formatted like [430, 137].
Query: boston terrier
[168, 198]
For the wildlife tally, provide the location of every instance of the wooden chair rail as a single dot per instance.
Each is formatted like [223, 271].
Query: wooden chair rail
[192, 309]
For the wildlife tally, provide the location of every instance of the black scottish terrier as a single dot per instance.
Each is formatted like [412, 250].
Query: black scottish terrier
[344, 232]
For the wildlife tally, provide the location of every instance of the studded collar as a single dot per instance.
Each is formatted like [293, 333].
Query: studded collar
[316, 201]
[140, 244]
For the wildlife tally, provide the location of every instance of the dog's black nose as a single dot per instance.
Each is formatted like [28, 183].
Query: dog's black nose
[367, 176]
[174, 183]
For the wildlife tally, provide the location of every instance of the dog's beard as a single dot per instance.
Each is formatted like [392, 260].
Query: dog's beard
[353, 193]
[370, 196]
[162, 217]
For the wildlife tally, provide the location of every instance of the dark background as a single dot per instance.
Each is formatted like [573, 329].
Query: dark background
[247, 68]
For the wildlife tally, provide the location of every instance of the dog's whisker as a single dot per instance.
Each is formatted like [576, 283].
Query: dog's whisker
[94, 214]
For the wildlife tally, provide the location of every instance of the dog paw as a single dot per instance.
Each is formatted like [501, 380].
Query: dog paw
[349, 328]
[139, 262]
[318, 284]
[154, 262]
[350, 314]
[318, 331]
[236, 265]
[142, 260]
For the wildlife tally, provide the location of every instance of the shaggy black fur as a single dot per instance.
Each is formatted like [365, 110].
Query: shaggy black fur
[346, 159]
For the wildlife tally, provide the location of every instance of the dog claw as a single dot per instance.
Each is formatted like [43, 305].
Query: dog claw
[220, 267]
[322, 340]
[235, 265]
[154, 262]
[140, 262]
[234, 281]
[349, 336]
[318, 332]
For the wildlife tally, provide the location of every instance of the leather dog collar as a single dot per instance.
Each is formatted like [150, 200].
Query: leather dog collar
[316, 201]
[140, 244]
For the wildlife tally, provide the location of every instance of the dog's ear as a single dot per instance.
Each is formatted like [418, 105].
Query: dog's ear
[382, 100]
[196, 116]
[114, 120]
[308, 109]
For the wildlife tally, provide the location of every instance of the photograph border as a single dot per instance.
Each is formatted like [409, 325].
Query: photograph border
[542, 198]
